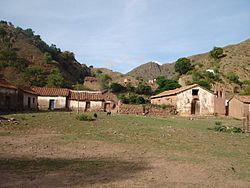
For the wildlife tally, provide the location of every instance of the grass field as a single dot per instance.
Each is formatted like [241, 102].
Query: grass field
[54, 149]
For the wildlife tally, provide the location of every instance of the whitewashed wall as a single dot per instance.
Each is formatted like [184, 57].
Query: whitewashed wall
[73, 105]
[25, 101]
[95, 105]
[43, 102]
[185, 98]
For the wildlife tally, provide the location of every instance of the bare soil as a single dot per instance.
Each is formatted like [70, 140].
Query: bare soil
[42, 158]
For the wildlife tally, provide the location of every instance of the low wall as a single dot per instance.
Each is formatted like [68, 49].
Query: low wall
[146, 110]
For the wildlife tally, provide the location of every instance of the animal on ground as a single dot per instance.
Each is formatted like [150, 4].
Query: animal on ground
[95, 115]
[108, 113]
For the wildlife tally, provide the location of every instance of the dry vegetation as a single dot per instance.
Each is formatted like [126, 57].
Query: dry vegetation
[57, 150]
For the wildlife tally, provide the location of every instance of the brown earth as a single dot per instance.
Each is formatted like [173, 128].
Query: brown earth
[42, 158]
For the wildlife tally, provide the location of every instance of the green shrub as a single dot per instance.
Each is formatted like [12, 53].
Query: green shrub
[166, 84]
[227, 129]
[183, 65]
[117, 88]
[143, 89]
[218, 123]
[84, 117]
[233, 77]
[216, 53]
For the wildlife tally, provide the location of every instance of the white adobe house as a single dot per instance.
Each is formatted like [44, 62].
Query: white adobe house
[52, 98]
[188, 100]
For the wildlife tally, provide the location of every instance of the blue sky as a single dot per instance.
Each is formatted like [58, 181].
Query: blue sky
[122, 34]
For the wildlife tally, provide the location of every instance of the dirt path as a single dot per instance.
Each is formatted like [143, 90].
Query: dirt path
[45, 159]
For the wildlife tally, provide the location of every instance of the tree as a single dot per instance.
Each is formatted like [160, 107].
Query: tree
[233, 77]
[204, 83]
[166, 84]
[47, 57]
[35, 76]
[143, 89]
[55, 79]
[117, 88]
[68, 55]
[183, 65]
[216, 53]
[105, 80]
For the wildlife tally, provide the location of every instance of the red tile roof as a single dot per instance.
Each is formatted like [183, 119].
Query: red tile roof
[28, 90]
[244, 98]
[174, 91]
[5, 84]
[43, 91]
[86, 96]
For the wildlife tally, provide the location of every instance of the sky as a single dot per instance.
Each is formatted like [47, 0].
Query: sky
[122, 34]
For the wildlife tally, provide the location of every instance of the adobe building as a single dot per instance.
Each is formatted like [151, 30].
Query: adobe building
[86, 101]
[28, 98]
[239, 106]
[8, 96]
[91, 101]
[220, 102]
[52, 98]
[188, 100]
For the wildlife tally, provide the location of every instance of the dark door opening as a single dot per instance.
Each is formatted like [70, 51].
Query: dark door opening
[87, 106]
[29, 102]
[195, 107]
[51, 104]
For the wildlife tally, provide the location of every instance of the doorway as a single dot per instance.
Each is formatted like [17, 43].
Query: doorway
[195, 107]
[51, 104]
[29, 102]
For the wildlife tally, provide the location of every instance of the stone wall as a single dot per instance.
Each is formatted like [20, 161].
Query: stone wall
[149, 110]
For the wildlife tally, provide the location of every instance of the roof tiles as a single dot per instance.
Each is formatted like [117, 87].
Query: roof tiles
[5, 84]
[43, 91]
[174, 91]
[86, 96]
[244, 98]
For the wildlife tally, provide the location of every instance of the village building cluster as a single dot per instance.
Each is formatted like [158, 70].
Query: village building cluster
[42, 98]
[187, 100]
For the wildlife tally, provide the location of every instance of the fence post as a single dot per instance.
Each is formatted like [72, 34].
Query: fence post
[248, 123]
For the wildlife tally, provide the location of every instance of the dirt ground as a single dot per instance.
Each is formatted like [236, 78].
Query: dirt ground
[41, 158]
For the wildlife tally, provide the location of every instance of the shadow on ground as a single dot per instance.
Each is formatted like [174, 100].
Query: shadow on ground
[45, 172]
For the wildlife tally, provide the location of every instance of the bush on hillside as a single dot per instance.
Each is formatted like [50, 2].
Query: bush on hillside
[55, 79]
[117, 88]
[166, 84]
[231, 76]
[216, 52]
[183, 65]
[143, 89]
[132, 99]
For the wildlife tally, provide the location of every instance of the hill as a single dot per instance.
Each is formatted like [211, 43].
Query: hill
[25, 59]
[235, 61]
[151, 70]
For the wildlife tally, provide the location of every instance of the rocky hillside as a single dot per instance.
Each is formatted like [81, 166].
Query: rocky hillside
[235, 59]
[151, 70]
[25, 59]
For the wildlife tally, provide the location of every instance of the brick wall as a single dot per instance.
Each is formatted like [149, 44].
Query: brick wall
[145, 110]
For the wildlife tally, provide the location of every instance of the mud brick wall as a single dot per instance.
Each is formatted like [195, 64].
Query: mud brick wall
[130, 109]
[145, 110]
[157, 111]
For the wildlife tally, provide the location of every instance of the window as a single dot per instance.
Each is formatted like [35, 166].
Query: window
[195, 92]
